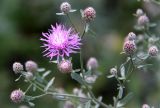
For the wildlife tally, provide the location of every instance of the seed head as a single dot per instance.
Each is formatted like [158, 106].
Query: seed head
[89, 14]
[65, 66]
[17, 67]
[31, 66]
[65, 7]
[129, 47]
[153, 51]
[17, 96]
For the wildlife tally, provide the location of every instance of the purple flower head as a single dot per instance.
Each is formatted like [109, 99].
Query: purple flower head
[60, 41]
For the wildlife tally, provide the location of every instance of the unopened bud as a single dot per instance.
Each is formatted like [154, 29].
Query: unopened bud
[129, 47]
[65, 66]
[29, 76]
[17, 96]
[68, 104]
[31, 66]
[143, 20]
[153, 51]
[89, 14]
[65, 7]
[139, 12]
[17, 67]
[132, 36]
[92, 64]
[113, 71]
[145, 106]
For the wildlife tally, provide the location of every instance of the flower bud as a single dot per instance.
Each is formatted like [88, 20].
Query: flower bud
[29, 76]
[65, 66]
[76, 91]
[17, 96]
[65, 7]
[92, 64]
[113, 71]
[143, 20]
[129, 47]
[145, 106]
[139, 12]
[153, 51]
[131, 36]
[68, 104]
[17, 67]
[31, 66]
[89, 14]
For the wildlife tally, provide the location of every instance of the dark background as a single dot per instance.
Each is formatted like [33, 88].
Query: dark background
[23, 21]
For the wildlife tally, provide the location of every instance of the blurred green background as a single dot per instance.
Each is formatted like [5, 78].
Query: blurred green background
[23, 21]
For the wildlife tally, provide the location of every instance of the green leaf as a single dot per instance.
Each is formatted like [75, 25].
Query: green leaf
[125, 100]
[77, 77]
[49, 84]
[88, 104]
[120, 94]
[46, 74]
[122, 71]
[141, 66]
[41, 69]
[31, 104]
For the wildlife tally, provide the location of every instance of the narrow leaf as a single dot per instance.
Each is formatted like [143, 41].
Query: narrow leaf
[122, 70]
[49, 84]
[77, 77]
[125, 100]
[46, 74]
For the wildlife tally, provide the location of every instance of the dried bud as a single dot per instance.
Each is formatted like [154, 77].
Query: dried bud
[143, 20]
[145, 106]
[65, 7]
[68, 104]
[89, 14]
[129, 47]
[139, 12]
[65, 66]
[17, 96]
[113, 71]
[17, 67]
[92, 64]
[31, 66]
[153, 51]
[131, 36]
[29, 76]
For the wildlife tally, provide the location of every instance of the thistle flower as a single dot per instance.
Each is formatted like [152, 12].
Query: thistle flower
[129, 47]
[153, 51]
[17, 96]
[89, 14]
[65, 66]
[92, 64]
[17, 67]
[31, 66]
[60, 41]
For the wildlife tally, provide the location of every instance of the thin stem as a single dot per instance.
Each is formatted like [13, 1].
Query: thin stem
[36, 86]
[28, 88]
[72, 23]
